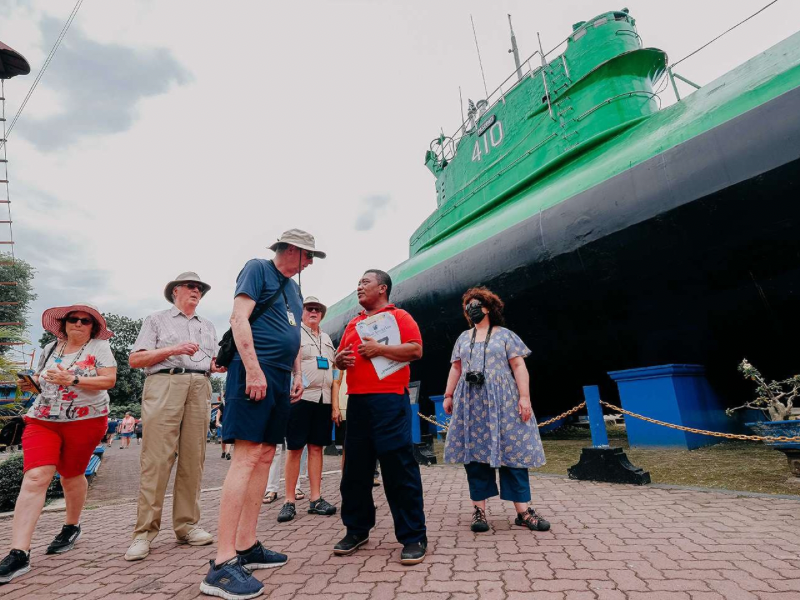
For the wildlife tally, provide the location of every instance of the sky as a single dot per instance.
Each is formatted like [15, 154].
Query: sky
[174, 136]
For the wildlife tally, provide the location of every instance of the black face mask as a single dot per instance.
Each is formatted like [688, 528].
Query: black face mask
[475, 313]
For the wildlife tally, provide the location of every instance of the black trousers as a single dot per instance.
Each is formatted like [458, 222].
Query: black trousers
[379, 426]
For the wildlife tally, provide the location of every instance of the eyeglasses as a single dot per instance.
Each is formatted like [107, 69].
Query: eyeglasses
[83, 320]
[313, 309]
[309, 255]
[192, 286]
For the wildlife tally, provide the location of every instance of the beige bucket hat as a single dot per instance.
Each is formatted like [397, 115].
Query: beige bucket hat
[314, 301]
[300, 239]
[185, 277]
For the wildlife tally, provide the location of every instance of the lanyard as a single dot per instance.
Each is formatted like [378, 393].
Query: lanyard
[60, 355]
[318, 347]
[472, 345]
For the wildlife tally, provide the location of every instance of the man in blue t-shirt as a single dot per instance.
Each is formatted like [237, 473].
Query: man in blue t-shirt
[258, 391]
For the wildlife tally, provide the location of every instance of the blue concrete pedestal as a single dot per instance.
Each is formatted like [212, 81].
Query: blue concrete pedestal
[678, 394]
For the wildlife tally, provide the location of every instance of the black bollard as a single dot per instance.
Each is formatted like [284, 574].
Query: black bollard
[601, 462]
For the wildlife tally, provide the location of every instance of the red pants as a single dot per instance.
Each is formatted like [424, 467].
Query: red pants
[66, 444]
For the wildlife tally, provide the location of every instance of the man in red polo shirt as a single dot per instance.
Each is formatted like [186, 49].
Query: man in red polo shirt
[379, 426]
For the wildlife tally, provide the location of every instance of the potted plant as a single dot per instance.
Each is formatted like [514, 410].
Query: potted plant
[776, 400]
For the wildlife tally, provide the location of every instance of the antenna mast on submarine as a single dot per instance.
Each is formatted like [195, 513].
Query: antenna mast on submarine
[515, 50]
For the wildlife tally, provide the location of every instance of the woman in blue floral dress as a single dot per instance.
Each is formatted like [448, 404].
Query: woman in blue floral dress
[492, 426]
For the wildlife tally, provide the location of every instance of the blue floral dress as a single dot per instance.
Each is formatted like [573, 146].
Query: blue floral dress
[486, 426]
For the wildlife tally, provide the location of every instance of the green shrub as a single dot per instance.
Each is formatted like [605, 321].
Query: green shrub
[11, 481]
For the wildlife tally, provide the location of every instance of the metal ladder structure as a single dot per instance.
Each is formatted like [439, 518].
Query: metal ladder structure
[11, 64]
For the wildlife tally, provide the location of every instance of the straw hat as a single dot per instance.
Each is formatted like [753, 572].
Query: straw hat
[314, 301]
[300, 239]
[186, 277]
[51, 320]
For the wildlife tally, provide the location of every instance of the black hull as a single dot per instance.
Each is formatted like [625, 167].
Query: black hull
[690, 257]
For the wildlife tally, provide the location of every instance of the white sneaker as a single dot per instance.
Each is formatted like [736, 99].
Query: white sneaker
[138, 550]
[197, 537]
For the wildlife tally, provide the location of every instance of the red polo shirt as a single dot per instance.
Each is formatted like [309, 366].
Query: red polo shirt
[362, 377]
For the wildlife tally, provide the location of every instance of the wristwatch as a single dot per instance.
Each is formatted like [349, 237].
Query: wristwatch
[75, 381]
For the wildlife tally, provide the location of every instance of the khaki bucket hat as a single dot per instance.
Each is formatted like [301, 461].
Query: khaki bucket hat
[314, 301]
[300, 239]
[186, 277]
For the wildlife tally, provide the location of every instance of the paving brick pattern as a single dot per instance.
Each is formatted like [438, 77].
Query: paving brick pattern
[607, 542]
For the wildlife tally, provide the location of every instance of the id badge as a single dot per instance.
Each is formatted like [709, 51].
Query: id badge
[290, 316]
[322, 363]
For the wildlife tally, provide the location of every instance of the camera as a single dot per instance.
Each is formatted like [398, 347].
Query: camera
[474, 377]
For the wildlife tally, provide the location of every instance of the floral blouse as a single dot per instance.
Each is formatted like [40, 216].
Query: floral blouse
[71, 403]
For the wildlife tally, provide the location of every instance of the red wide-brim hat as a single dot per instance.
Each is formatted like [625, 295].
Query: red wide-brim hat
[52, 316]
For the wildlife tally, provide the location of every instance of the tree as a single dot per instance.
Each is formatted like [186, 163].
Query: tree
[130, 382]
[217, 384]
[21, 273]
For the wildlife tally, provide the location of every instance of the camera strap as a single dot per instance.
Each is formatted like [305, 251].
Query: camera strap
[472, 345]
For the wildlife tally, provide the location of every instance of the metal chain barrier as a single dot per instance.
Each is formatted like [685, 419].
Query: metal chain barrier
[729, 436]
[574, 409]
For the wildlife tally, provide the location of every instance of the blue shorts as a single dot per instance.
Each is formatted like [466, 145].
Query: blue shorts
[262, 422]
[127, 434]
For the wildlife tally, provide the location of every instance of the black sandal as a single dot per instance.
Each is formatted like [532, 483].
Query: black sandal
[532, 521]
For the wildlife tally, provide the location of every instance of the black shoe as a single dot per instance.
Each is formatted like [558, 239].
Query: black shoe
[228, 455]
[223, 455]
[65, 540]
[259, 557]
[321, 507]
[413, 553]
[532, 521]
[15, 564]
[287, 513]
[349, 544]
[479, 522]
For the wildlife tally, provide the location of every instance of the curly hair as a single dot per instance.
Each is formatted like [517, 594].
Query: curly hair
[490, 301]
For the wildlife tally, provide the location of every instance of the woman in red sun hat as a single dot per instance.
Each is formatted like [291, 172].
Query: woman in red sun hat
[67, 421]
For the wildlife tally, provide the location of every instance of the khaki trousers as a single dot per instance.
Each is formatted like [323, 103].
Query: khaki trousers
[176, 410]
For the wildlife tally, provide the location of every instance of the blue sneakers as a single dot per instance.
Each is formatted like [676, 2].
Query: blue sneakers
[259, 557]
[231, 581]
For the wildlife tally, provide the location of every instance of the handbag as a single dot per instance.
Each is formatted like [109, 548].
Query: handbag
[11, 432]
[227, 345]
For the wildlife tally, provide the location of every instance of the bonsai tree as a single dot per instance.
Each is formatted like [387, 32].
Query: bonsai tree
[775, 398]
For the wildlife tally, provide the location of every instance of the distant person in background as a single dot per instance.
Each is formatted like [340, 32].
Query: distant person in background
[126, 430]
[310, 426]
[111, 431]
[176, 348]
[220, 414]
[138, 431]
[275, 470]
[493, 428]
[63, 426]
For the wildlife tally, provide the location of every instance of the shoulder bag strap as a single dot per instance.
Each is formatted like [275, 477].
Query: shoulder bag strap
[260, 310]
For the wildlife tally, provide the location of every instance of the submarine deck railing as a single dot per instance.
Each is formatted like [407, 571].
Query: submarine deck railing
[499, 94]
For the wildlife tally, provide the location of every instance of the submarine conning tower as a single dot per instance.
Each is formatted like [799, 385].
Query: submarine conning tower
[540, 120]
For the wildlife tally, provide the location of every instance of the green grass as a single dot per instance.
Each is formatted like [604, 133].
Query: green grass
[729, 465]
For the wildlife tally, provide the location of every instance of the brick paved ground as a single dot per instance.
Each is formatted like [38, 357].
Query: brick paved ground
[607, 542]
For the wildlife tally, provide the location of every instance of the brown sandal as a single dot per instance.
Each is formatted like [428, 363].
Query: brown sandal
[532, 521]
[269, 497]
